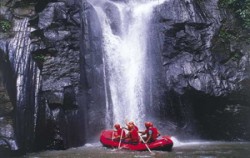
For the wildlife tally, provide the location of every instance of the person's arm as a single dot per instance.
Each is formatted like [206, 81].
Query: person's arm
[148, 138]
[150, 132]
[124, 128]
[127, 136]
[158, 133]
[118, 136]
[142, 132]
[115, 133]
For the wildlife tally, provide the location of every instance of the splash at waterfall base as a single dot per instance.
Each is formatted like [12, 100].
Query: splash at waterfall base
[164, 143]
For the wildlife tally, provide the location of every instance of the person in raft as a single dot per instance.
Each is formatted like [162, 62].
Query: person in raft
[151, 132]
[132, 137]
[133, 124]
[119, 132]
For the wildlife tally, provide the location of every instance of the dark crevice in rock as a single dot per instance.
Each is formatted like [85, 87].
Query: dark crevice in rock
[69, 101]
[41, 4]
[7, 105]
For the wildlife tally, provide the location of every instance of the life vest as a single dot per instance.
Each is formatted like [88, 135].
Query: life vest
[134, 136]
[136, 128]
[120, 132]
[154, 134]
[147, 133]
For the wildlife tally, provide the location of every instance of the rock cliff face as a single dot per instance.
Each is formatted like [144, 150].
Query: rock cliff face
[53, 54]
[189, 30]
[67, 43]
[195, 66]
[7, 137]
[55, 45]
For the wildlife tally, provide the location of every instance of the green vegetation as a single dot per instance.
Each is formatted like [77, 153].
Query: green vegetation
[236, 56]
[1, 4]
[227, 35]
[236, 30]
[39, 57]
[5, 25]
[233, 35]
[241, 8]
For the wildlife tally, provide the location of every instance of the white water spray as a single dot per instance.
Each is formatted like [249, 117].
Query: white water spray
[125, 57]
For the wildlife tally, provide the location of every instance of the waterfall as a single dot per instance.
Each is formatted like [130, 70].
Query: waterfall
[27, 83]
[125, 27]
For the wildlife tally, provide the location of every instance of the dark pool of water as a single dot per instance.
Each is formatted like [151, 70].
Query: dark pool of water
[194, 149]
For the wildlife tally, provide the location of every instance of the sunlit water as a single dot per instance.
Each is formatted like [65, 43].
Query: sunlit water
[125, 57]
[182, 150]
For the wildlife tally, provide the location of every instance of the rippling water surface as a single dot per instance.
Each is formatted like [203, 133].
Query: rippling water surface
[180, 150]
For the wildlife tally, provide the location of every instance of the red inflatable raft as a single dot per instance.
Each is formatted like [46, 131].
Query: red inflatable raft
[164, 143]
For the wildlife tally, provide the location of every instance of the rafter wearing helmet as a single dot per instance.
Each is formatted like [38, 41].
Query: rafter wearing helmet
[151, 132]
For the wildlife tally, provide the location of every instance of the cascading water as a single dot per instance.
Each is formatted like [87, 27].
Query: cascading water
[27, 76]
[125, 27]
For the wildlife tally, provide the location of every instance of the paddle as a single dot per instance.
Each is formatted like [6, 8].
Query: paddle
[146, 145]
[120, 140]
[112, 136]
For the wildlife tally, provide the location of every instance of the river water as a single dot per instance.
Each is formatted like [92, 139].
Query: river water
[180, 150]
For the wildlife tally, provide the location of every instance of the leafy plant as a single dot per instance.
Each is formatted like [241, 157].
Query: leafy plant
[39, 57]
[241, 8]
[227, 35]
[5, 25]
[244, 14]
[226, 3]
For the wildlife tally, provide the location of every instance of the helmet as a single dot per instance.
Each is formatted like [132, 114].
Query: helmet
[131, 122]
[148, 124]
[117, 126]
[151, 124]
